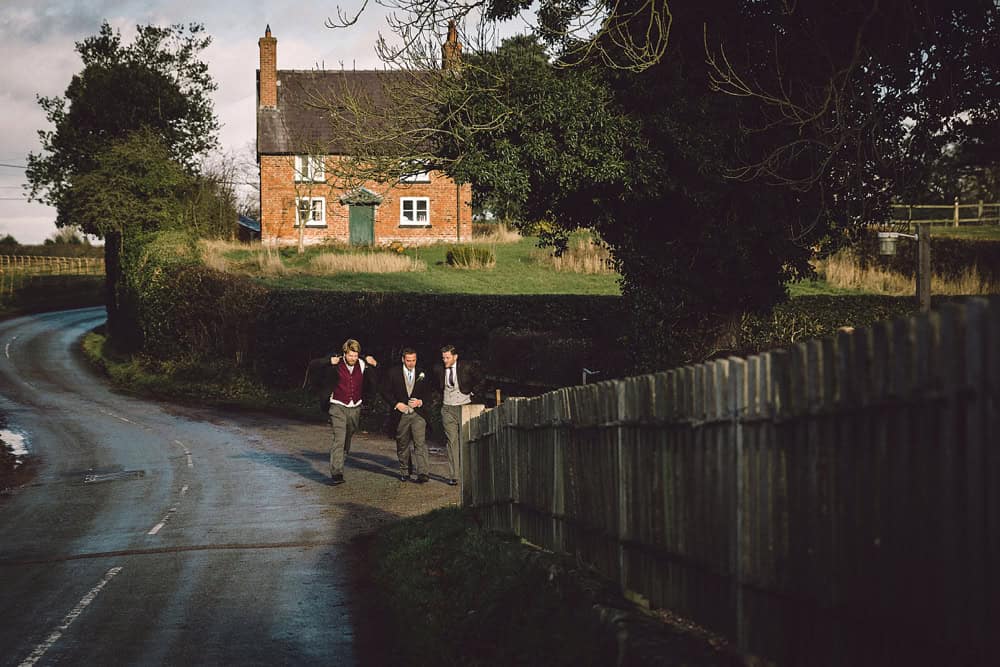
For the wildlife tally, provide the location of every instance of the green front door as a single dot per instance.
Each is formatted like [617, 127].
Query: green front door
[362, 223]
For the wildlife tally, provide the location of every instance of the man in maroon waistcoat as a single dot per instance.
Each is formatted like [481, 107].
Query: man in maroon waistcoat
[344, 381]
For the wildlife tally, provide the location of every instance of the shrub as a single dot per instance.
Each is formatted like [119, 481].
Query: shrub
[471, 257]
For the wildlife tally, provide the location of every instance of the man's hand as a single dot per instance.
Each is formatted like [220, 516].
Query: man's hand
[415, 403]
[402, 408]
[370, 360]
[334, 361]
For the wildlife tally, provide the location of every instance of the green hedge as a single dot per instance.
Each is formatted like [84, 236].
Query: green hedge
[33, 294]
[950, 257]
[297, 325]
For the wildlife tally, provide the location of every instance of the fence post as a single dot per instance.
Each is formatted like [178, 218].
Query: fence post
[956, 211]
[924, 265]
[979, 218]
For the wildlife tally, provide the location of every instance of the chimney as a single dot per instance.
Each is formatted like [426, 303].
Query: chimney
[267, 75]
[451, 50]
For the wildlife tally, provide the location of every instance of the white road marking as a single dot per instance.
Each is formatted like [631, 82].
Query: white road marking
[6, 350]
[187, 453]
[41, 649]
[158, 527]
[111, 414]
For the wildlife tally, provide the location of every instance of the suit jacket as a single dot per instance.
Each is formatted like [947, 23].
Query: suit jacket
[393, 390]
[322, 377]
[469, 379]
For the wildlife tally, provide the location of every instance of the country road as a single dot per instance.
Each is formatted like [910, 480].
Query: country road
[158, 534]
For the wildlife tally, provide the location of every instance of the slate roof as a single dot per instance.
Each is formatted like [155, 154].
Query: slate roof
[301, 124]
[249, 223]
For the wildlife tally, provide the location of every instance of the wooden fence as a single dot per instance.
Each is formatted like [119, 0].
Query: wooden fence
[956, 214]
[41, 265]
[835, 503]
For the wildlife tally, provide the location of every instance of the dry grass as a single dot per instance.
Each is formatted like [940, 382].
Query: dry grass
[269, 262]
[364, 262]
[213, 254]
[582, 256]
[843, 270]
[495, 232]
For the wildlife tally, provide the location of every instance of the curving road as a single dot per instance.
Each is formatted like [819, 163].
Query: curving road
[162, 535]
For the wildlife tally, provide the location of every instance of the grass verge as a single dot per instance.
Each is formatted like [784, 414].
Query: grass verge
[442, 590]
[199, 382]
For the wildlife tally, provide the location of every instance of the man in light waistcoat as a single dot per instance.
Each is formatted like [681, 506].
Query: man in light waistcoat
[457, 384]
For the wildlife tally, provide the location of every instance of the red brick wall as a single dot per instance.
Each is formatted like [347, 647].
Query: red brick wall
[279, 191]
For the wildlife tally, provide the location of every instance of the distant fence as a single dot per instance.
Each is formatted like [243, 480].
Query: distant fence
[834, 503]
[956, 214]
[41, 265]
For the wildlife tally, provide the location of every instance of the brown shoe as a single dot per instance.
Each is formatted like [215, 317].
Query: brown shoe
[422, 479]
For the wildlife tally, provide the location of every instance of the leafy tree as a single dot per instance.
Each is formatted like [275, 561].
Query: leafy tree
[751, 133]
[9, 241]
[561, 132]
[157, 85]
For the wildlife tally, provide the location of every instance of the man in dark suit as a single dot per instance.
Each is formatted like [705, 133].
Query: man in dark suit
[405, 389]
[458, 384]
[343, 382]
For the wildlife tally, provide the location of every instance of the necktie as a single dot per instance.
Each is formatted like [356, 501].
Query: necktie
[451, 376]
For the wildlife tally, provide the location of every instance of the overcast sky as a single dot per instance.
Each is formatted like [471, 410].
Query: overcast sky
[38, 58]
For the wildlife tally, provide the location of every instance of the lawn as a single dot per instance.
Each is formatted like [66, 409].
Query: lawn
[521, 268]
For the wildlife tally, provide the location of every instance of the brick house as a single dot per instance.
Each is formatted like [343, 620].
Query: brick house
[297, 148]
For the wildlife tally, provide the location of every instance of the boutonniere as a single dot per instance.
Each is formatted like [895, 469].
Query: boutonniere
[420, 376]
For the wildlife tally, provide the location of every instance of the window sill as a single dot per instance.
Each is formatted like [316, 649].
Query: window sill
[411, 225]
[323, 226]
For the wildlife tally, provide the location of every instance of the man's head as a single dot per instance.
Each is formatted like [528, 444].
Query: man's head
[449, 355]
[352, 350]
[409, 358]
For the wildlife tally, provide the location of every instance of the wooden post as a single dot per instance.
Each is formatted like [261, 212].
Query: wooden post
[979, 218]
[924, 265]
[956, 211]
[498, 398]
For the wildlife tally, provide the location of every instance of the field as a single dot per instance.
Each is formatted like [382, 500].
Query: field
[978, 232]
[520, 268]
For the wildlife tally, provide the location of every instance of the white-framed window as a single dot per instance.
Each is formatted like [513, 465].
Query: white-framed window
[312, 210]
[415, 211]
[309, 168]
[417, 175]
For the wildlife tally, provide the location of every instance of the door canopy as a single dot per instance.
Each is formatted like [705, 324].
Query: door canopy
[361, 197]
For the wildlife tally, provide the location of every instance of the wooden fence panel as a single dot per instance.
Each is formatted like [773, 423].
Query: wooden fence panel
[832, 503]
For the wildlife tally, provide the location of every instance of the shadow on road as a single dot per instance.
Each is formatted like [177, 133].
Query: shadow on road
[290, 462]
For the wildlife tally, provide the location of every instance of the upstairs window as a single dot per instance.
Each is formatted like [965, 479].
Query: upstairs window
[415, 211]
[309, 168]
[417, 175]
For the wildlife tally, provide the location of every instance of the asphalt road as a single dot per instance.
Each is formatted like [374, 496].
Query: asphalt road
[162, 535]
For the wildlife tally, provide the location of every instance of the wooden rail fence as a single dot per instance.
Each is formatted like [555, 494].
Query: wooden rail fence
[956, 215]
[835, 503]
[37, 264]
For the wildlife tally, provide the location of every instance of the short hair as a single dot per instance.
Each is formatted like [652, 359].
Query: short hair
[408, 350]
[449, 348]
[351, 345]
